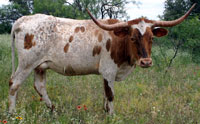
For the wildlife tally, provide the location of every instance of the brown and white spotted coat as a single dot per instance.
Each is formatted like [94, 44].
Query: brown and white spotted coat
[78, 47]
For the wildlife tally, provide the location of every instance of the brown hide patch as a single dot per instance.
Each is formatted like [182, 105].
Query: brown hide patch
[28, 41]
[18, 30]
[112, 21]
[10, 83]
[108, 44]
[108, 91]
[96, 32]
[147, 41]
[131, 54]
[96, 50]
[66, 47]
[133, 48]
[71, 39]
[119, 49]
[118, 45]
[100, 37]
[77, 29]
[122, 32]
[82, 29]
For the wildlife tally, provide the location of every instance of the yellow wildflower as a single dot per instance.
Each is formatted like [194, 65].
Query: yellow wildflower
[20, 118]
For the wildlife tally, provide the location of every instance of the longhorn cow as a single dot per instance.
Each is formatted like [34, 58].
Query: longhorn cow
[108, 47]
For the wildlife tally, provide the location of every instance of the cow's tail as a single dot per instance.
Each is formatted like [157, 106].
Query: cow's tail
[13, 52]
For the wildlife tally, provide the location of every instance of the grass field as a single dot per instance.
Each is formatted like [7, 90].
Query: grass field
[145, 97]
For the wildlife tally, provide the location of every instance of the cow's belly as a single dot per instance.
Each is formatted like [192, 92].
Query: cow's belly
[73, 64]
[72, 69]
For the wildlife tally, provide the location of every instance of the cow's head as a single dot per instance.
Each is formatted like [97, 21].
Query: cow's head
[140, 33]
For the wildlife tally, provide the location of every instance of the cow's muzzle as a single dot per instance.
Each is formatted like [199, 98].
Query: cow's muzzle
[145, 62]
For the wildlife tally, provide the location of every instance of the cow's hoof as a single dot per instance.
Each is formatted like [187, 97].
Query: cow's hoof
[11, 111]
[108, 110]
[52, 108]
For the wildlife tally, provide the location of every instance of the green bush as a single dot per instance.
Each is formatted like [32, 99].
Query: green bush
[185, 36]
[5, 28]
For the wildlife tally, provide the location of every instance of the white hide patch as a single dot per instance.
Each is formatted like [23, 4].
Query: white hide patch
[142, 26]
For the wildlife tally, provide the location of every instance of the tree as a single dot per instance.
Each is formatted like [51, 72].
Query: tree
[8, 14]
[185, 36]
[26, 6]
[77, 8]
[176, 8]
[190, 33]
[196, 10]
[52, 7]
[13, 11]
[103, 8]
[61, 8]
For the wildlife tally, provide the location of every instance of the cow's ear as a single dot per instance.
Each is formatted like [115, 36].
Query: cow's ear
[121, 32]
[159, 32]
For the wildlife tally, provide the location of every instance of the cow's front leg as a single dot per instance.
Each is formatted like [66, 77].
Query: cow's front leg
[108, 96]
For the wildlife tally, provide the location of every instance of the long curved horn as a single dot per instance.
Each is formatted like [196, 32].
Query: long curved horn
[106, 26]
[174, 22]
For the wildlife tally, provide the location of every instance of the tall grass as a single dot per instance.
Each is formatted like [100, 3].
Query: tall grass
[145, 97]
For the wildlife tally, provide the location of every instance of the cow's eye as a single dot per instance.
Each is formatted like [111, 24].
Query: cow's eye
[133, 39]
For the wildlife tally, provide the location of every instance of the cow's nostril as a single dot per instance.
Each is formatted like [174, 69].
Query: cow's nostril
[142, 63]
[150, 63]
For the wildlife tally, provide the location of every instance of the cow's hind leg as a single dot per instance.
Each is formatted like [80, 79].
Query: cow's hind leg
[17, 79]
[108, 96]
[40, 86]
